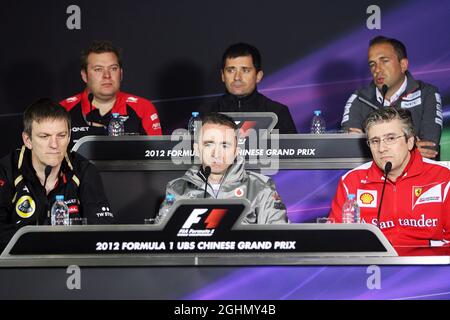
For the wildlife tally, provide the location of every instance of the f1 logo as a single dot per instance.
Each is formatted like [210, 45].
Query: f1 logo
[193, 218]
[212, 221]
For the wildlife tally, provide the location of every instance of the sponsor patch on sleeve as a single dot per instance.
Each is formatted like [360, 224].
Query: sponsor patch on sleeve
[351, 99]
[73, 209]
[132, 99]
[72, 99]
[105, 212]
[348, 106]
[438, 243]
[413, 95]
[239, 192]
[438, 98]
[412, 103]
[278, 204]
[25, 207]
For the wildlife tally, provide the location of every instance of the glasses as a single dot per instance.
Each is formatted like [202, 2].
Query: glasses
[388, 140]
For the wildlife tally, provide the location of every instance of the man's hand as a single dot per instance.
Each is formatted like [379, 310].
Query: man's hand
[425, 152]
[354, 130]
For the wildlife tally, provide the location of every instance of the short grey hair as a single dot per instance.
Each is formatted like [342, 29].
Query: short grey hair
[388, 114]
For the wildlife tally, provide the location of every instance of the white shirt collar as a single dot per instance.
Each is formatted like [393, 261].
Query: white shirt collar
[395, 96]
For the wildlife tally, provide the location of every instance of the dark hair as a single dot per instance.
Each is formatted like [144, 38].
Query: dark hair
[219, 118]
[399, 47]
[388, 114]
[100, 47]
[241, 50]
[43, 108]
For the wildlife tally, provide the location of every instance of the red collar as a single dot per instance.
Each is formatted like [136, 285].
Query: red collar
[413, 168]
[86, 106]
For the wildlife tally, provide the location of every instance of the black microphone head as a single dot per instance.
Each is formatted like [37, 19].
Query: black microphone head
[387, 167]
[47, 170]
[384, 89]
[90, 97]
[207, 171]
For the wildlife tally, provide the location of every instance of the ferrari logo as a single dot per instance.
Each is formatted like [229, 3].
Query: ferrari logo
[418, 192]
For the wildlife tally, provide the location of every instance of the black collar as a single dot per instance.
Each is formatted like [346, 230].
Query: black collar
[231, 99]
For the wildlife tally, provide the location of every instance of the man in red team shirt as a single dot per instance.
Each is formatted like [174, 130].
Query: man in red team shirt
[91, 110]
[416, 203]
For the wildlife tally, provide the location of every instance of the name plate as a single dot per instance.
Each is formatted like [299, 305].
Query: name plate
[178, 148]
[199, 227]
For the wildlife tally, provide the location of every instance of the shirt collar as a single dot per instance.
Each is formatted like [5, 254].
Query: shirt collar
[413, 168]
[395, 96]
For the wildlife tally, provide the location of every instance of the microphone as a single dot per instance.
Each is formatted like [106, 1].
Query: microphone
[206, 172]
[387, 169]
[47, 171]
[384, 90]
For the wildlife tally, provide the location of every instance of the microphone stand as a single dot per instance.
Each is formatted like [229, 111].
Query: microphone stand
[384, 90]
[387, 169]
[206, 173]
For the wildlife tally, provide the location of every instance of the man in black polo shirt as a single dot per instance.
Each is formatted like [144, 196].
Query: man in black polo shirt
[241, 72]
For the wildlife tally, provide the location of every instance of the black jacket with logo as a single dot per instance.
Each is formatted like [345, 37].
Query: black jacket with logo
[255, 102]
[23, 200]
[422, 99]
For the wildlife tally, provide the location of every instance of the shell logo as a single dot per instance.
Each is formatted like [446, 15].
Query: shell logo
[366, 198]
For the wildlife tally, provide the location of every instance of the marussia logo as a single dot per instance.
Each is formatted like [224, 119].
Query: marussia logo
[206, 229]
[132, 99]
[72, 99]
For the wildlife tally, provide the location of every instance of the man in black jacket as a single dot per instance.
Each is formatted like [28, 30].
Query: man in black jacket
[31, 177]
[241, 72]
[388, 63]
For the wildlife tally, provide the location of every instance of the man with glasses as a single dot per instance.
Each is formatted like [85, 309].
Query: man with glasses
[416, 202]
